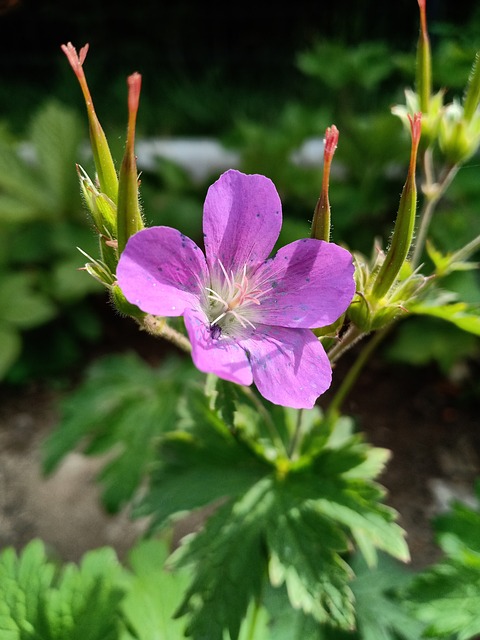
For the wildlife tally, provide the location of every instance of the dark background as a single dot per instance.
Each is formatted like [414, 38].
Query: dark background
[250, 43]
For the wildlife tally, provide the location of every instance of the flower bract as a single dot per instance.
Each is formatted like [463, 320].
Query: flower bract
[249, 317]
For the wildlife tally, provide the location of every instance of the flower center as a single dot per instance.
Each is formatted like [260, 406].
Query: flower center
[232, 300]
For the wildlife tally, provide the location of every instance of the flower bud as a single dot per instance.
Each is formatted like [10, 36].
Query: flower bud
[122, 304]
[404, 225]
[472, 95]
[369, 313]
[129, 217]
[102, 209]
[321, 216]
[459, 138]
[430, 119]
[105, 168]
[424, 61]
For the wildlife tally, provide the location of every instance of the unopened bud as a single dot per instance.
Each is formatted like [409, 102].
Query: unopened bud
[472, 95]
[129, 217]
[404, 225]
[458, 138]
[321, 216]
[424, 61]
[107, 176]
[102, 209]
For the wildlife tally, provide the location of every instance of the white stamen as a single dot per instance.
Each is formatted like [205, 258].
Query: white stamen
[236, 297]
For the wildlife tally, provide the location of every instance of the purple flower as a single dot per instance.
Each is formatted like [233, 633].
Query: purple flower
[248, 316]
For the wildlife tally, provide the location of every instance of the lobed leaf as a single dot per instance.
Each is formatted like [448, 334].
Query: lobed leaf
[123, 406]
[204, 454]
[305, 549]
[446, 596]
[230, 564]
[462, 315]
[154, 594]
[40, 602]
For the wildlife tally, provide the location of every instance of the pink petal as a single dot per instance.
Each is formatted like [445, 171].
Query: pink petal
[162, 271]
[223, 357]
[290, 366]
[311, 284]
[241, 220]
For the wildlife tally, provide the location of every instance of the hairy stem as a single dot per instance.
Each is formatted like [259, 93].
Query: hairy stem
[159, 328]
[269, 422]
[433, 194]
[352, 375]
[250, 635]
[352, 335]
[296, 435]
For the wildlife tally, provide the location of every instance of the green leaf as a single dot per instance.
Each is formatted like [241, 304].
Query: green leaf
[379, 614]
[298, 517]
[230, 565]
[15, 211]
[84, 605]
[56, 133]
[447, 263]
[446, 596]
[20, 184]
[70, 283]
[123, 406]
[287, 623]
[461, 314]
[202, 453]
[22, 582]
[447, 599]
[40, 602]
[357, 506]
[423, 340]
[154, 594]
[10, 348]
[23, 306]
[305, 552]
[458, 532]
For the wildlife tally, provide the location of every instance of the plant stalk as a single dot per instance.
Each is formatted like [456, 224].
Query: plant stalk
[352, 375]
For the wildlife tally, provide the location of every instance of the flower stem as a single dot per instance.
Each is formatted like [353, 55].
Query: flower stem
[352, 335]
[269, 423]
[352, 375]
[296, 435]
[465, 252]
[158, 327]
[433, 193]
[250, 635]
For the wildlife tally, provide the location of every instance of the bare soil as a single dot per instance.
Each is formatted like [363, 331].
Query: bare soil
[430, 424]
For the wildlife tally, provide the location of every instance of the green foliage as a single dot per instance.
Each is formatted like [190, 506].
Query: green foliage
[40, 225]
[380, 614]
[290, 518]
[284, 497]
[124, 405]
[153, 596]
[42, 184]
[39, 601]
[354, 72]
[423, 341]
[446, 596]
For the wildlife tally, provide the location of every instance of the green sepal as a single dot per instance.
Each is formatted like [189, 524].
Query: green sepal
[123, 305]
[102, 209]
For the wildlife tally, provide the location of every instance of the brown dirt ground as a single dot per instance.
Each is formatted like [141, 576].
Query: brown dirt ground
[429, 423]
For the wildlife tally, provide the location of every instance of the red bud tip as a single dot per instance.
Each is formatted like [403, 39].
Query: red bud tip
[134, 85]
[416, 127]
[423, 17]
[76, 60]
[331, 142]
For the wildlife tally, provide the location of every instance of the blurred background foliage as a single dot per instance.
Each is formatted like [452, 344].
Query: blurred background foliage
[264, 83]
